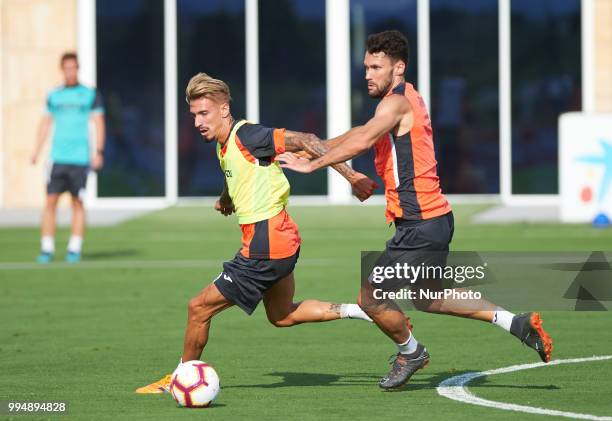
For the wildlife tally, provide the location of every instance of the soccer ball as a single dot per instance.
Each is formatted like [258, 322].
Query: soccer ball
[195, 384]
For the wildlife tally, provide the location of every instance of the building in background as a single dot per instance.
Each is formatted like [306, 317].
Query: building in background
[496, 75]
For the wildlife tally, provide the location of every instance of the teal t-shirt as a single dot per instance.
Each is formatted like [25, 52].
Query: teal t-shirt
[71, 108]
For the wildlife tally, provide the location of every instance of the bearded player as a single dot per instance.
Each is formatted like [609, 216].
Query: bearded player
[400, 133]
[257, 191]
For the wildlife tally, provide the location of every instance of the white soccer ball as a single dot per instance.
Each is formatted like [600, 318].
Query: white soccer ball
[195, 384]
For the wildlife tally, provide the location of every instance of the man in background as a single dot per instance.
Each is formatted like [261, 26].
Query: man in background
[70, 108]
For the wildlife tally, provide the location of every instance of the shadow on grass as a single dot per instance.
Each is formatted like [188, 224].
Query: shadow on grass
[289, 379]
[420, 381]
[482, 382]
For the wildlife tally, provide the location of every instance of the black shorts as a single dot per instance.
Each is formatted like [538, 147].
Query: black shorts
[424, 242]
[68, 177]
[244, 281]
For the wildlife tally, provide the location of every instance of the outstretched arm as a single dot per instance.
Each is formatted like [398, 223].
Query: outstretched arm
[357, 140]
[329, 144]
[363, 187]
[315, 148]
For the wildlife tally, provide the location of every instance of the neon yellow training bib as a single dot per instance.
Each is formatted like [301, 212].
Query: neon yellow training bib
[258, 192]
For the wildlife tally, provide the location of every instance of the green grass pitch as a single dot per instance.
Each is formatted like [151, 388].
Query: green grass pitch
[93, 332]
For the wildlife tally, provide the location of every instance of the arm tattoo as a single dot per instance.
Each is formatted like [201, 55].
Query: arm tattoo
[316, 148]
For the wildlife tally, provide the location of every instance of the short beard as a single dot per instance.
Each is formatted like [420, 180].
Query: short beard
[381, 93]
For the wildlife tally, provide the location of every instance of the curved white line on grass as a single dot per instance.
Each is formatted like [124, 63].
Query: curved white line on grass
[455, 388]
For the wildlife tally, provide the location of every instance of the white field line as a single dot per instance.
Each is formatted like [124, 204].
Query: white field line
[141, 264]
[455, 388]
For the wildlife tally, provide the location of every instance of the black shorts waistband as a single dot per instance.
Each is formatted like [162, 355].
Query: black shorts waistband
[401, 222]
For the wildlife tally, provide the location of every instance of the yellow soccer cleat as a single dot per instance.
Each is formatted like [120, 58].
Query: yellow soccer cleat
[160, 386]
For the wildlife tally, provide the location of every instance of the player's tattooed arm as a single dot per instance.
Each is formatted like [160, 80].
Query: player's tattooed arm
[313, 147]
[296, 142]
[390, 112]
[225, 205]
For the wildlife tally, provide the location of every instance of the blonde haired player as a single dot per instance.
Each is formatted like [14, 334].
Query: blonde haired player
[257, 191]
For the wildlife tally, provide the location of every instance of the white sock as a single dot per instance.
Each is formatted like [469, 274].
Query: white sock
[178, 366]
[503, 319]
[75, 244]
[353, 311]
[47, 244]
[409, 346]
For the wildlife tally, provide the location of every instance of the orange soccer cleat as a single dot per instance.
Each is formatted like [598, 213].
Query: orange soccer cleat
[528, 328]
[160, 386]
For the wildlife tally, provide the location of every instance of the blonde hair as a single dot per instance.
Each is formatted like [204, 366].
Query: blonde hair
[204, 86]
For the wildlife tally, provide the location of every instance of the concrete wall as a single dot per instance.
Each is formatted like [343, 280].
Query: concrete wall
[33, 35]
[603, 55]
[2, 175]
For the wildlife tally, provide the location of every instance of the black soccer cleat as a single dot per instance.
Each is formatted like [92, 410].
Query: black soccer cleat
[404, 366]
[528, 328]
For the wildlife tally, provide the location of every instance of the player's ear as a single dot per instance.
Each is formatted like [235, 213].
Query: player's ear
[225, 109]
[399, 69]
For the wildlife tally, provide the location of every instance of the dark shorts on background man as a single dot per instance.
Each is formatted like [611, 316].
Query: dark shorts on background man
[68, 177]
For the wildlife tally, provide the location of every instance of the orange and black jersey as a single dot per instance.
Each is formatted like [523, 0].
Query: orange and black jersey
[259, 144]
[407, 166]
[276, 237]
